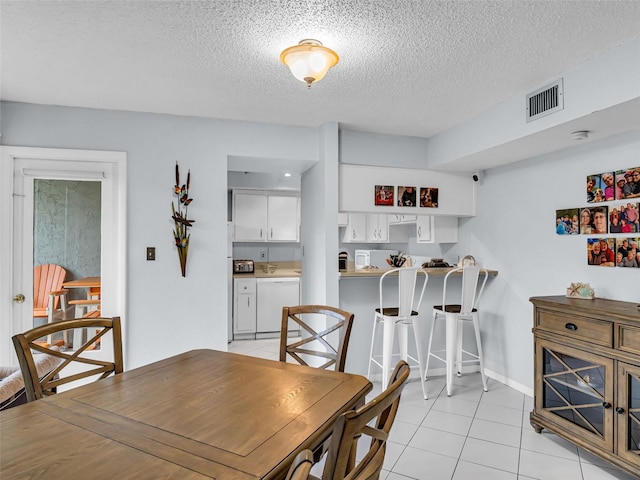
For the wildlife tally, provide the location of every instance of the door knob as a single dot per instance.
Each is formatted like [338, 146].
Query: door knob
[19, 298]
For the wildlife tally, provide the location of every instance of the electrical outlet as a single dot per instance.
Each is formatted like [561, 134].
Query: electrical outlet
[263, 255]
[151, 253]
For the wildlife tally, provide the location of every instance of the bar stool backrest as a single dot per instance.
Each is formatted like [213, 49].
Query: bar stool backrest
[406, 289]
[470, 292]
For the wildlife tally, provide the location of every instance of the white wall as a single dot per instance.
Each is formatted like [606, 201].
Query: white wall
[167, 314]
[362, 148]
[514, 233]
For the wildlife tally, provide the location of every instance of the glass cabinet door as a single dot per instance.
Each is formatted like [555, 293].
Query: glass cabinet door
[628, 410]
[577, 391]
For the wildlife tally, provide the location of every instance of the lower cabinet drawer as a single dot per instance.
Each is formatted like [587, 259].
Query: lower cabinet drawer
[629, 338]
[579, 328]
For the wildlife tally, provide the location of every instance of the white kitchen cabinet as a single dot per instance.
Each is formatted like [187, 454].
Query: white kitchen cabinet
[436, 229]
[397, 219]
[273, 294]
[282, 218]
[260, 216]
[249, 217]
[244, 307]
[377, 228]
[356, 229]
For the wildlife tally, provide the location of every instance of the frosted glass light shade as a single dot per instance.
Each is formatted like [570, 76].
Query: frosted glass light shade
[309, 61]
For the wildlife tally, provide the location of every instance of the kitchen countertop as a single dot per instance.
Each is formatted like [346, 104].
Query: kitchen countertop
[267, 270]
[373, 273]
[293, 270]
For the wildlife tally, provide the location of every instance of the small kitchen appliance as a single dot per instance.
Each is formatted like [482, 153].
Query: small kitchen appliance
[342, 261]
[375, 258]
[243, 266]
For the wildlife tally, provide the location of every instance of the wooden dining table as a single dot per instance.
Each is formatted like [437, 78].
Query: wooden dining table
[200, 414]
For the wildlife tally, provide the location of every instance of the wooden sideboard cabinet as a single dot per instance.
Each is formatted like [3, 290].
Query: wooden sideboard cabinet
[587, 375]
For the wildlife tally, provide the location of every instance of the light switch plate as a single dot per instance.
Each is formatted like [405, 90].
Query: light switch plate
[151, 253]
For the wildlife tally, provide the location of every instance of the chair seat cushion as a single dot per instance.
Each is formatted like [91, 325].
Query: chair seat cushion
[451, 308]
[393, 312]
[12, 392]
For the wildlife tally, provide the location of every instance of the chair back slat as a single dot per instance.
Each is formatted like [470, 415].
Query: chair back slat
[375, 420]
[469, 288]
[46, 278]
[29, 342]
[316, 342]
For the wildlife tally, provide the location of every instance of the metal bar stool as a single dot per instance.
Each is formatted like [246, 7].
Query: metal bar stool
[403, 316]
[456, 316]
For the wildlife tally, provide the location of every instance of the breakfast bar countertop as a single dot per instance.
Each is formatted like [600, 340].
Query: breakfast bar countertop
[378, 272]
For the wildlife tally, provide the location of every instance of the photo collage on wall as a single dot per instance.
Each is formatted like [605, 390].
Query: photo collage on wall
[598, 219]
[408, 196]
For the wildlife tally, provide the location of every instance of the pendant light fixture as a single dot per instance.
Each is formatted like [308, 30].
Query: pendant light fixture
[309, 61]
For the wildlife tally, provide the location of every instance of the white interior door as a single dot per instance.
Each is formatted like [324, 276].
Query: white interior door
[25, 165]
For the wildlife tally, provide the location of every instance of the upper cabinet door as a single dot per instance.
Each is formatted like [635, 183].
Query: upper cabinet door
[283, 224]
[424, 229]
[432, 229]
[250, 217]
[356, 228]
[377, 228]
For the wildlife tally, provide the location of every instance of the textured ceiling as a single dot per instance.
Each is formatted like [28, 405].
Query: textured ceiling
[406, 67]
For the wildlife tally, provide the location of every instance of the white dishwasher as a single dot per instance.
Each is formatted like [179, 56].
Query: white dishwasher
[273, 294]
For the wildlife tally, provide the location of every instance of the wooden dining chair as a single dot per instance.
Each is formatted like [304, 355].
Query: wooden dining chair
[373, 420]
[314, 343]
[27, 343]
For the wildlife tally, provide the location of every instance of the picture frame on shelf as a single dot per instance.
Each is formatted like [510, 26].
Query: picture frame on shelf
[428, 197]
[383, 195]
[407, 196]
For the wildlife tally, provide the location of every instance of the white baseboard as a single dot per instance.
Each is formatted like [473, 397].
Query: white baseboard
[509, 383]
[441, 372]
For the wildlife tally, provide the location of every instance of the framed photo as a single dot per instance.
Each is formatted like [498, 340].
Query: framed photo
[624, 218]
[627, 183]
[567, 222]
[407, 196]
[600, 187]
[600, 217]
[586, 221]
[600, 252]
[628, 252]
[384, 195]
[429, 197]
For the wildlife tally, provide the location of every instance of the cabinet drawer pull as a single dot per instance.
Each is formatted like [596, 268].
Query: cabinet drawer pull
[606, 405]
[620, 410]
[571, 326]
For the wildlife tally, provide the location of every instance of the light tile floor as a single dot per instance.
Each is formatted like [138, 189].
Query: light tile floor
[472, 435]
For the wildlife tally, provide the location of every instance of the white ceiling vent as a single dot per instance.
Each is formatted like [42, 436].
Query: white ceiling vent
[545, 101]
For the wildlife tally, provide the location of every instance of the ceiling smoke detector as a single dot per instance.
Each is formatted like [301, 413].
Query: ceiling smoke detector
[580, 135]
